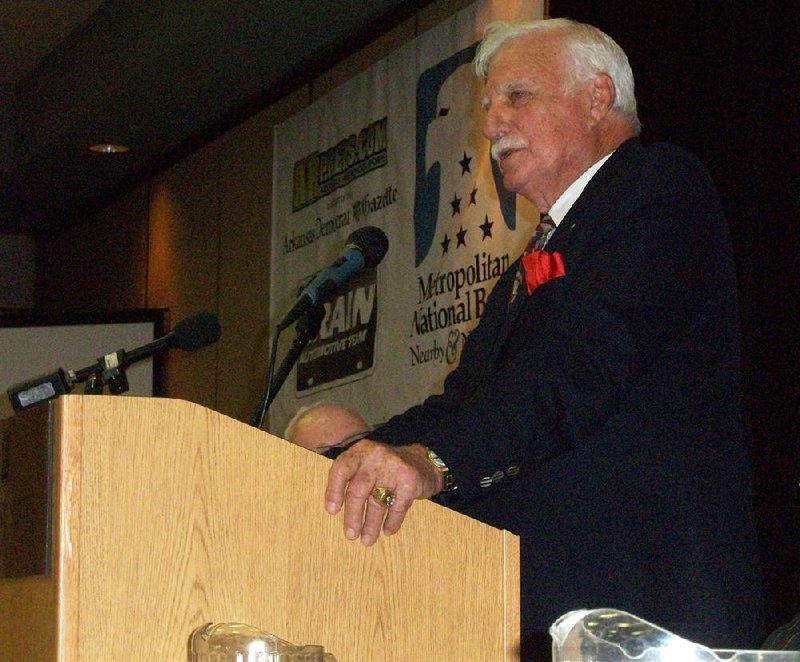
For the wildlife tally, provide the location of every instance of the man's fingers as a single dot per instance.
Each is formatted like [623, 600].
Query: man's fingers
[356, 499]
[373, 520]
[339, 476]
[395, 515]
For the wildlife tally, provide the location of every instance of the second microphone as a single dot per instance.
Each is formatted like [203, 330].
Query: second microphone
[364, 249]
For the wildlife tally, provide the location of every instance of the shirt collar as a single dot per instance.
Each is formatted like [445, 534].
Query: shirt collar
[568, 198]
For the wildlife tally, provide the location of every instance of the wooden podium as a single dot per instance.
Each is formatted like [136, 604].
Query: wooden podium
[167, 515]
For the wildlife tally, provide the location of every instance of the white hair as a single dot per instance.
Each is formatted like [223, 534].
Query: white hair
[587, 52]
[301, 413]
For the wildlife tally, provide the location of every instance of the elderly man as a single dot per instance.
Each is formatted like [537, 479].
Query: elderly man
[323, 426]
[596, 408]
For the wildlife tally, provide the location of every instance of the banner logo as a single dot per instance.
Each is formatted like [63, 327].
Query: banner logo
[320, 173]
[427, 188]
[344, 350]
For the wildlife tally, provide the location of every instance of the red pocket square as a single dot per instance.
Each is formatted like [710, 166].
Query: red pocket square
[541, 266]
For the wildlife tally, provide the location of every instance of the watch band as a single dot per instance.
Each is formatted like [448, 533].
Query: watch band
[448, 480]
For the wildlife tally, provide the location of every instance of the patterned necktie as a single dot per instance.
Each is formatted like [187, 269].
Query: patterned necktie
[536, 243]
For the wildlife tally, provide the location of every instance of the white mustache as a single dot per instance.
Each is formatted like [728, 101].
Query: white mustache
[505, 144]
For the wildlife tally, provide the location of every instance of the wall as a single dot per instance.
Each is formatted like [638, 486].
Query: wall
[17, 269]
[197, 238]
[100, 264]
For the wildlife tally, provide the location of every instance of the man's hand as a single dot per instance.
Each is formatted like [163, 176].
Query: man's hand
[405, 470]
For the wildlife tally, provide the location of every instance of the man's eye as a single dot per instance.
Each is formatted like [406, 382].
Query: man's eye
[518, 96]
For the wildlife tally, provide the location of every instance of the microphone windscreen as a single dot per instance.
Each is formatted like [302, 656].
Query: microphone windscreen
[372, 242]
[196, 332]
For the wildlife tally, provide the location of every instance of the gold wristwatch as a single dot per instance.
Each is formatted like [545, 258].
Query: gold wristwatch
[448, 480]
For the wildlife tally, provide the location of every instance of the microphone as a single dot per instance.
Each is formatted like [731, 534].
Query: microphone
[189, 334]
[364, 249]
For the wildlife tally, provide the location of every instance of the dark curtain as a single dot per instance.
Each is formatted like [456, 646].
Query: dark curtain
[722, 79]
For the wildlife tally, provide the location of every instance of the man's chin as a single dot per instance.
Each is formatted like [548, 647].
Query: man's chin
[511, 184]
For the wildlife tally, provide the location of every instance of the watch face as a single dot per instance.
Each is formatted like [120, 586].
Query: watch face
[433, 457]
[449, 479]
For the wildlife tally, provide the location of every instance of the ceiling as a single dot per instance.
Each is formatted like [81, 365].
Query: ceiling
[162, 76]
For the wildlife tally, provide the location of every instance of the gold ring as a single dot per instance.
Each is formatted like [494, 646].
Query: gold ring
[384, 496]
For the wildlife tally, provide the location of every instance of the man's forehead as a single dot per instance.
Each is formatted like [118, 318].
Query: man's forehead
[528, 51]
[517, 73]
[519, 59]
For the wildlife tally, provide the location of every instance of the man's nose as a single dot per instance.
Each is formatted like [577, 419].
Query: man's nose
[494, 125]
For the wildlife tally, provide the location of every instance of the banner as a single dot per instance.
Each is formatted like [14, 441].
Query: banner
[398, 147]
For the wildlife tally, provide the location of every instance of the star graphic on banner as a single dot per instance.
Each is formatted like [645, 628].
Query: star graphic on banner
[460, 235]
[472, 200]
[464, 163]
[455, 203]
[486, 226]
[445, 244]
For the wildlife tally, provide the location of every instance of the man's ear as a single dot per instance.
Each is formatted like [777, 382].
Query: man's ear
[602, 94]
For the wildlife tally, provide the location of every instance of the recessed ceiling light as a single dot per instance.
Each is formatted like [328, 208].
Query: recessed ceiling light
[108, 148]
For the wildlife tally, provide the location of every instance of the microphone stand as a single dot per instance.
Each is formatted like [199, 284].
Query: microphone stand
[94, 383]
[109, 371]
[306, 329]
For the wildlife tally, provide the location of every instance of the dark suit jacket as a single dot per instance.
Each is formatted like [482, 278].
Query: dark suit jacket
[600, 419]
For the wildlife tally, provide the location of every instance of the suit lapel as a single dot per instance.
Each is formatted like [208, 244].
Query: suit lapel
[571, 236]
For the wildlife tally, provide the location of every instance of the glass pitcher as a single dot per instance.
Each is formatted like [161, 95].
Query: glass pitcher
[608, 635]
[237, 642]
